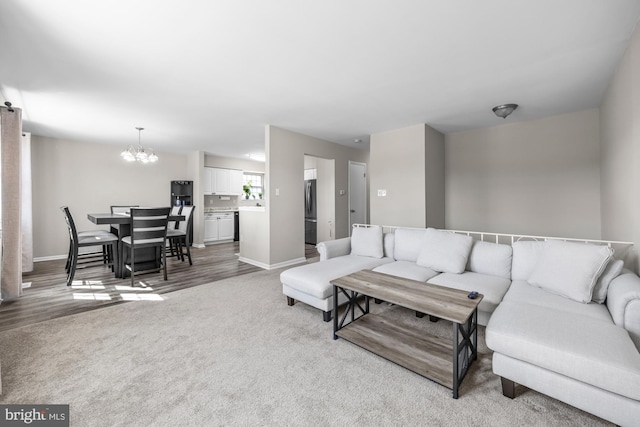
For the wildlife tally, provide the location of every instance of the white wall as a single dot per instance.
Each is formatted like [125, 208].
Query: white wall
[89, 178]
[540, 177]
[285, 172]
[408, 164]
[620, 149]
[325, 201]
[233, 163]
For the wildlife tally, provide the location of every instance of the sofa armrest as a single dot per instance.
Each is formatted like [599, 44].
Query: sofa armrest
[334, 248]
[623, 302]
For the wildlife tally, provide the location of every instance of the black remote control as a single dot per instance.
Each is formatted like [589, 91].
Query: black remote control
[472, 295]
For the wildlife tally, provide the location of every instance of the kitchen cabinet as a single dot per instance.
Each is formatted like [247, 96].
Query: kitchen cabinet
[207, 187]
[225, 226]
[310, 174]
[218, 226]
[235, 181]
[222, 181]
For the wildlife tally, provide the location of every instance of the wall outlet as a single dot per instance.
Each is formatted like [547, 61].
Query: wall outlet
[277, 191]
[382, 193]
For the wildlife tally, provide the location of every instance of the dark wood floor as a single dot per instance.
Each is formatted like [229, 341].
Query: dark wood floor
[94, 288]
[310, 251]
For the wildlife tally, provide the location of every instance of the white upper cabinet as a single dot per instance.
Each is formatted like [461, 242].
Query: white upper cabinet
[310, 174]
[207, 185]
[235, 181]
[222, 181]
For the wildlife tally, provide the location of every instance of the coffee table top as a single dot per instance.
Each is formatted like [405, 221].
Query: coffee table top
[439, 301]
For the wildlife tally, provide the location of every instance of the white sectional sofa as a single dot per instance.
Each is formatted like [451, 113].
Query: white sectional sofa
[559, 339]
[562, 318]
[479, 266]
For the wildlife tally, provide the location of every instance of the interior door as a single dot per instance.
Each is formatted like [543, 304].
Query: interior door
[357, 194]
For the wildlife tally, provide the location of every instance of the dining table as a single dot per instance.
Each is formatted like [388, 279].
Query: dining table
[121, 223]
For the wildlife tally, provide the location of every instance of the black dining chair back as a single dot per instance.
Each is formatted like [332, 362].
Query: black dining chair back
[148, 229]
[175, 210]
[120, 209]
[180, 238]
[94, 238]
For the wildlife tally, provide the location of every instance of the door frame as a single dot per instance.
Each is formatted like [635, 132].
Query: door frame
[366, 211]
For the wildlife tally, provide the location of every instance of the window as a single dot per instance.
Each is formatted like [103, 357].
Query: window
[256, 182]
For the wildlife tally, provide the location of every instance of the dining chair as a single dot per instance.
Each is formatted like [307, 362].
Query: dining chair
[180, 237]
[173, 225]
[92, 238]
[148, 230]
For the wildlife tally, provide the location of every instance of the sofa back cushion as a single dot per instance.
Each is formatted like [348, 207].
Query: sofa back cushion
[444, 251]
[407, 244]
[525, 257]
[570, 269]
[367, 241]
[490, 258]
[388, 242]
[613, 270]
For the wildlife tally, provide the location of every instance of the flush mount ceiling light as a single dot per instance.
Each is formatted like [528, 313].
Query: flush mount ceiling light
[139, 154]
[504, 110]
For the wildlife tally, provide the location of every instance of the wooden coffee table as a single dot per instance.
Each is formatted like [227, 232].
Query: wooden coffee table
[441, 360]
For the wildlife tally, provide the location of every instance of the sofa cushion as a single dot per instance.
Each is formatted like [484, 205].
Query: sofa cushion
[521, 291]
[570, 269]
[314, 278]
[492, 288]
[564, 343]
[388, 242]
[407, 243]
[525, 258]
[490, 258]
[367, 241]
[613, 270]
[408, 270]
[444, 251]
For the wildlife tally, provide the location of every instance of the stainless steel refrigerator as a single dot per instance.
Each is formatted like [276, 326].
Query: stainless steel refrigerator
[310, 212]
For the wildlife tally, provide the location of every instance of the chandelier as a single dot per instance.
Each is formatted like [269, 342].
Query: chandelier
[139, 154]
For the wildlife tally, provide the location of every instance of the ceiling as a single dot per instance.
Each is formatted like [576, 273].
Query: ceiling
[209, 75]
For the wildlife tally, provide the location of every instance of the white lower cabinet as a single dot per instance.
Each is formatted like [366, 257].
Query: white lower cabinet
[218, 226]
[225, 226]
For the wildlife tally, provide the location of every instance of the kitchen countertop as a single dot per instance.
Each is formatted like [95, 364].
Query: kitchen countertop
[208, 210]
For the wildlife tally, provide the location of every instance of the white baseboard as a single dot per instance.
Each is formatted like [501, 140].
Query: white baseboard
[273, 266]
[198, 245]
[49, 258]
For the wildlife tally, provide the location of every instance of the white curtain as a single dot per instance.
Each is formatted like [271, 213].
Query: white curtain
[27, 215]
[11, 141]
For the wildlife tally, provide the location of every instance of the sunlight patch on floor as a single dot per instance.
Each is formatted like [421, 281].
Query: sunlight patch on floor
[141, 297]
[135, 288]
[87, 286]
[91, 296]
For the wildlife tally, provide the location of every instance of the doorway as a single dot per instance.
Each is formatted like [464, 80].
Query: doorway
[357, 194]
[319, 197]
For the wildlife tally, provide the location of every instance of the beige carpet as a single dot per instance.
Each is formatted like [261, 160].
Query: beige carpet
[233, 353]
